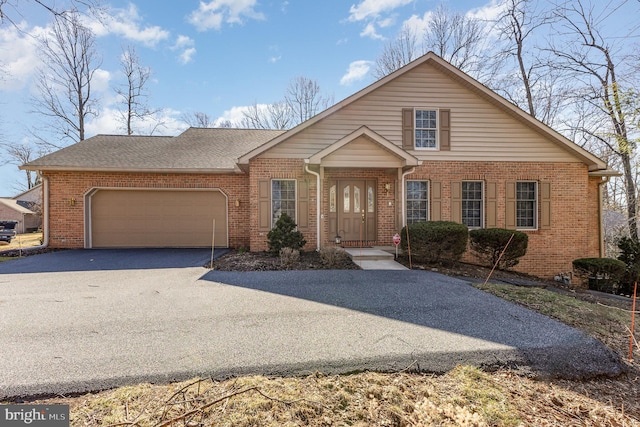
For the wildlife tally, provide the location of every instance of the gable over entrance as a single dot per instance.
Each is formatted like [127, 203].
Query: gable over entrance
[363, 148]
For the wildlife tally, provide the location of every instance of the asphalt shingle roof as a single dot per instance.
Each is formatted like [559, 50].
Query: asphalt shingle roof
[194, 149]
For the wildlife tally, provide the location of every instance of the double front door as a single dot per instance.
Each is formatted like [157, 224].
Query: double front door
[352, 209]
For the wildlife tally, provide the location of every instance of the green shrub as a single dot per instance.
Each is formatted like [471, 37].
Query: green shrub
[435, 241]
[603, 274]
[285, 235]
[630, 255]
[489, 243]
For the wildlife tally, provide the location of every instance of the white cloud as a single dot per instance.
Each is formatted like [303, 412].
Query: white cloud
[127, 23]
[212, 14]
[236, 114]
[370, 31]
[20, 59]
[357, 71]
[369, 9]
[164, 122]
[489, 12]
[100, 81]
[187, 47]
[417, 25]
[275, 59]
[187, 55]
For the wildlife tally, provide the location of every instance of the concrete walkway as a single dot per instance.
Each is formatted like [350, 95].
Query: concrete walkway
[374, 259]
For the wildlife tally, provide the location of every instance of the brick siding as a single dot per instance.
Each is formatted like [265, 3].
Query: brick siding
[574, 231]
[66, 224]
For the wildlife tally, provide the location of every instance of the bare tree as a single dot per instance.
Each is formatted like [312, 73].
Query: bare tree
[304, 98]
[278, 115]
[133, 94]
[64, 81]
[597, 68]
[198, 119]
[455, 37]
[10, 10]
[524, 75]
[397, 53]
[19, 154]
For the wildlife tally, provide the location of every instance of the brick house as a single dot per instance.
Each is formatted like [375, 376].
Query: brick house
[426, 142]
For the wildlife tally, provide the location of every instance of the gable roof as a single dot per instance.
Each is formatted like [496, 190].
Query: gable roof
[195, 150]
[14, 205]
[34, 192]
[593, 162]
[375, 138]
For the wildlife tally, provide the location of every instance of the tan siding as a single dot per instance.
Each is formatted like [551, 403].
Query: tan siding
[479, 130]
[363, 153]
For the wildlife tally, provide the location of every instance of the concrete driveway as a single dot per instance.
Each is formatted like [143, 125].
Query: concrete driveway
[84, 320]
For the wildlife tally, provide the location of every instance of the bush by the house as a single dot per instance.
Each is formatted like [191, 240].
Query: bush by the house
[332, 256]
[489, 243]
[602, 274]
[435, 241]
[630, 255]
[285, 235]
[288, 257]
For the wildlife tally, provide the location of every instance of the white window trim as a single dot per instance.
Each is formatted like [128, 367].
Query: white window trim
[406, 199]
[483, 201]
[535, 207]
[295, 189]
[437, 147]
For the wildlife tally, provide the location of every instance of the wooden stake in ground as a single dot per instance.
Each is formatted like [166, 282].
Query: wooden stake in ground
[408, 246]
[633, 320]
[213, 242]
[499, 258]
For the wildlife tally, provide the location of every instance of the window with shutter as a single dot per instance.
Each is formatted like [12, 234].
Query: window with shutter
[426, 129]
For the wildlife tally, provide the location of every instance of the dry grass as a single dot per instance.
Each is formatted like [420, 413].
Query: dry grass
[465, 396]
[22, 241]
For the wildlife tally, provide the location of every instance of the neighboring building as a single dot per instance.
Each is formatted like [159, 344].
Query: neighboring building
[24, 208]
[426, 142]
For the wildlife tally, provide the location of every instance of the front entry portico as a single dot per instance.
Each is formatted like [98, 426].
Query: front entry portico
[358, 179]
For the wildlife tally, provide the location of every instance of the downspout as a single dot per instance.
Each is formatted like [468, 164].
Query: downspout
[306, 168]
[45, 214]
[403, 195]
[601, 185]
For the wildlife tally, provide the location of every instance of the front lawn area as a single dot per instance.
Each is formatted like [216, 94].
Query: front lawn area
[22, 241]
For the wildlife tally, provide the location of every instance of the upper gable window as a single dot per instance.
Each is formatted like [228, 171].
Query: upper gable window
[426, 129]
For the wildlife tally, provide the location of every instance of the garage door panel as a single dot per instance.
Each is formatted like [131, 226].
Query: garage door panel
[146, 218]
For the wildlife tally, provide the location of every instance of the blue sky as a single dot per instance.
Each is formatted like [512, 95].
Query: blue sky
[214, 56]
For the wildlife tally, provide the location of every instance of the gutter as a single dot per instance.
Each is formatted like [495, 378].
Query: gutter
[403, 195]
[306, 168]
[601, 185]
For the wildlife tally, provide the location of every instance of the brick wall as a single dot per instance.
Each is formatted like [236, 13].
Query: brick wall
[261, 169]
[67, 190]
[574, 231]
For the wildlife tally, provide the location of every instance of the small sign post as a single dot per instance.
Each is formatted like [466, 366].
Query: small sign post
[396, 241]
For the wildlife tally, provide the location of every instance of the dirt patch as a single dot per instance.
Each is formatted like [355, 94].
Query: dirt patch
[264, 261]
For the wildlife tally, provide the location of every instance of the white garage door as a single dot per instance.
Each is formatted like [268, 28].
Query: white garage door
[149, 218]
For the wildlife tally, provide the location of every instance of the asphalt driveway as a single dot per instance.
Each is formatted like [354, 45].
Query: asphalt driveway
[88, 320]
